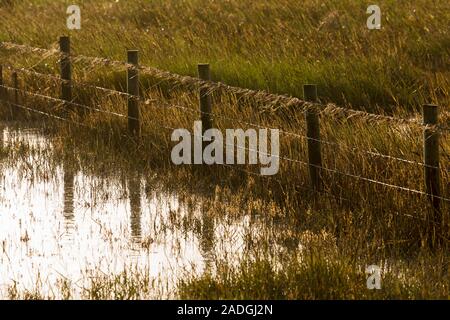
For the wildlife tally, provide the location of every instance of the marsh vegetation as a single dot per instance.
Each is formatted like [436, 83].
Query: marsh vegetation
[88, 212]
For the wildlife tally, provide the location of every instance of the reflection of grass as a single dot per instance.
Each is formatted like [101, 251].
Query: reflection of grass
[275, 45]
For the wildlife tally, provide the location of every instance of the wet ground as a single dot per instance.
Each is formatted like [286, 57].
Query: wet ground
[58, 221]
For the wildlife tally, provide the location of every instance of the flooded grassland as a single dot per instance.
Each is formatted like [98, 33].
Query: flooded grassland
[62, 224]
[74, 227]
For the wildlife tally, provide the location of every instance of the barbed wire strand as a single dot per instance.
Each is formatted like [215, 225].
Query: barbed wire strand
[211, 86]
[45, 113]
[327, 194]
[75, 83]
[56, 117]
[322, 192]
[37, 95]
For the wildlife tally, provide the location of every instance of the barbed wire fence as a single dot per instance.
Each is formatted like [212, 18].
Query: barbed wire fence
[272, 103]
[110, 92]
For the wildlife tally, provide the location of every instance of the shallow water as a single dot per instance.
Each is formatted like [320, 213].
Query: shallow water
[58, 222]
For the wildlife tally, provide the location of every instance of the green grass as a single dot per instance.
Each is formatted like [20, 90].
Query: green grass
[274, 45]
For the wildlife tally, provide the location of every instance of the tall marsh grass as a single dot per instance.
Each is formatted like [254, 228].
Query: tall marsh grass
[277, 46]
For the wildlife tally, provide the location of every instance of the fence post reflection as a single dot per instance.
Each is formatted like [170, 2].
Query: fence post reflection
[68, 210]
[207, 239]
[134, 189]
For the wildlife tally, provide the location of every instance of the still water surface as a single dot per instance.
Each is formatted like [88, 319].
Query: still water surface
[57, 222]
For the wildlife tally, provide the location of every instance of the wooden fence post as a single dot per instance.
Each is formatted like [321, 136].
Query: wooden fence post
[205, 98]
[13, 109]
[66, 71]
[431, 161]
[2, 90]
[313, 134]
[134, 125]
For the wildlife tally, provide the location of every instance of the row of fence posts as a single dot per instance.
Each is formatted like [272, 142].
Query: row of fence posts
[430, 142]
[430, 117]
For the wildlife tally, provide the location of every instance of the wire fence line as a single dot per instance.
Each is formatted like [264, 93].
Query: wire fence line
[210, 87]
[324, 193]
[44, 113]
[111, 91]
[71, 82]
[296, 135]
[328, 194]
[53, 116]
[273, 100]
[64, 102]
[358, 177]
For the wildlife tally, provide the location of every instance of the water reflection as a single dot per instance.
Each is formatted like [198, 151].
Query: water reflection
[134, 189]
[68, 209]
[207, 239]
[58, 220]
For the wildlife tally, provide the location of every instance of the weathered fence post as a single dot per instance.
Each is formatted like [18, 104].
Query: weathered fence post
[431, 160]
[66, 71]
[134, 125]
[313, 134]
[205, 98]
[2, 90]
[14, 108]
